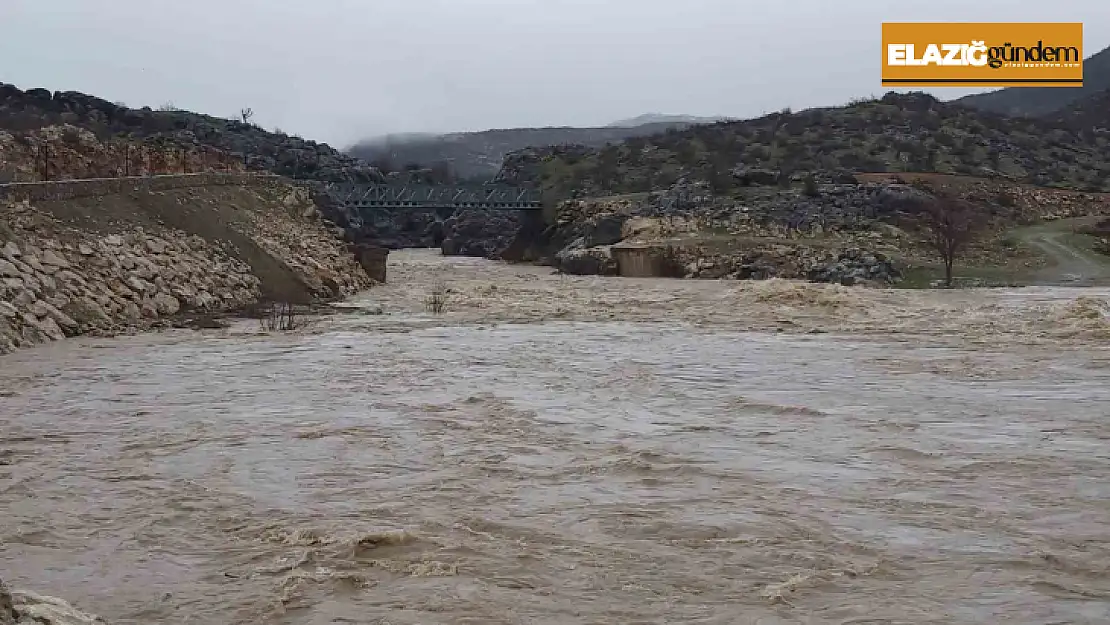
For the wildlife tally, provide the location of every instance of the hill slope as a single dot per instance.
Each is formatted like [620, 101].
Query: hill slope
[1044, 101]
[34, 109]
[900, 132]
[480, 154]
[660, 118]
[1087, 115]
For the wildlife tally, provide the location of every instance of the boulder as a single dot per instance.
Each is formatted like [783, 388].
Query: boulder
[50, 328]
[9, 270]
[853, 267]
[597, 261]
[605, 229]
[53, 259]
[86, 312]
[28, 608]
[166, 304]
[44, 310]
[7, 606]
[748, 176]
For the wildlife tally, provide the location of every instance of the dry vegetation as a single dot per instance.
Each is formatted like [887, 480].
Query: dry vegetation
[280, 317]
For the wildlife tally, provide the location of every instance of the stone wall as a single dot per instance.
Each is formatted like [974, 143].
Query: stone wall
[637, 261]
[373, 260]
[85, 257]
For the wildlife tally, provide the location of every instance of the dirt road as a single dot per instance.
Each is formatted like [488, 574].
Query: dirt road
[1070, 260]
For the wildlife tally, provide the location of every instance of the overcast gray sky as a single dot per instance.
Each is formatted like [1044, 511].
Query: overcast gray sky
[338, 70]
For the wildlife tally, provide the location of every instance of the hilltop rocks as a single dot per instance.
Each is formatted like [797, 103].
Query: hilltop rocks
[244, 144]
[833, 207]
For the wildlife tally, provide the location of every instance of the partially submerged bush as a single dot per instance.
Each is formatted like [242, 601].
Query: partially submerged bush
[280, 317]
[436, 300]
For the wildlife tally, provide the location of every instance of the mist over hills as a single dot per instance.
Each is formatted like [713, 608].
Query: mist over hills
[480, 154]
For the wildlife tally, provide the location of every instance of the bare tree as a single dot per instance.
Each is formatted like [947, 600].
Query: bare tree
[246, 115]
[951, 224]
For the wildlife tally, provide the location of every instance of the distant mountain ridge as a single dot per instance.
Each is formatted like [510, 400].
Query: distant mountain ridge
[660, 118]
[1044, 101]
[480, 154]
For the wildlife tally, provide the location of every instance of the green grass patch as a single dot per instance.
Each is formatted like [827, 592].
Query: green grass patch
[922, 277]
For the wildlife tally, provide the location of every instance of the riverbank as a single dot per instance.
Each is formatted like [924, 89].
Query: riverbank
[119, 257]
[862, 229]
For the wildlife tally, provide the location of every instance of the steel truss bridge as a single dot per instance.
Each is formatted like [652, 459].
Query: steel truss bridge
[393, 197]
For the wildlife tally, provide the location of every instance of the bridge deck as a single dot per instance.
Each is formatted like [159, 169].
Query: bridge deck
[397, 196]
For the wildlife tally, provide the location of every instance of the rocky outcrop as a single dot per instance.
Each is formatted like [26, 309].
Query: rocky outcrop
[69, 152]
[480, 233]
[27, 608]
[853, 266]
[590, 261]
[150, 257]
[526, 165]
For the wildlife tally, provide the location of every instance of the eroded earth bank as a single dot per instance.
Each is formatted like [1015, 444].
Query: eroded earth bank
[562, 449]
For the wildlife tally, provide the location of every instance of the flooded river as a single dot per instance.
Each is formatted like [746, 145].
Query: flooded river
[576, 450]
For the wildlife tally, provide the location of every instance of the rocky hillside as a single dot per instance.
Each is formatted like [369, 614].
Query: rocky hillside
[1045, 101]
[859, 229]
[96, 139]
[223, 140]
[108, 256]
[1090, 116]
[479, 155]
[899, 132]
[70, 152]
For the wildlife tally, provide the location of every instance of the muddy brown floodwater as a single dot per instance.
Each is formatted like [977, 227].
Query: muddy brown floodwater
[576, 450]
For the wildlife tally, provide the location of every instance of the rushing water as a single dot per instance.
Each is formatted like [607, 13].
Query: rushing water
[558, 450]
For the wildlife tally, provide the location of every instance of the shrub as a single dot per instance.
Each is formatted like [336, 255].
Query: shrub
[436, 300]
[810, 186]
[280, 317]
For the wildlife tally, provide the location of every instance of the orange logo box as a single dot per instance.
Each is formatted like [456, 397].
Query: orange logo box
[960, 54]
